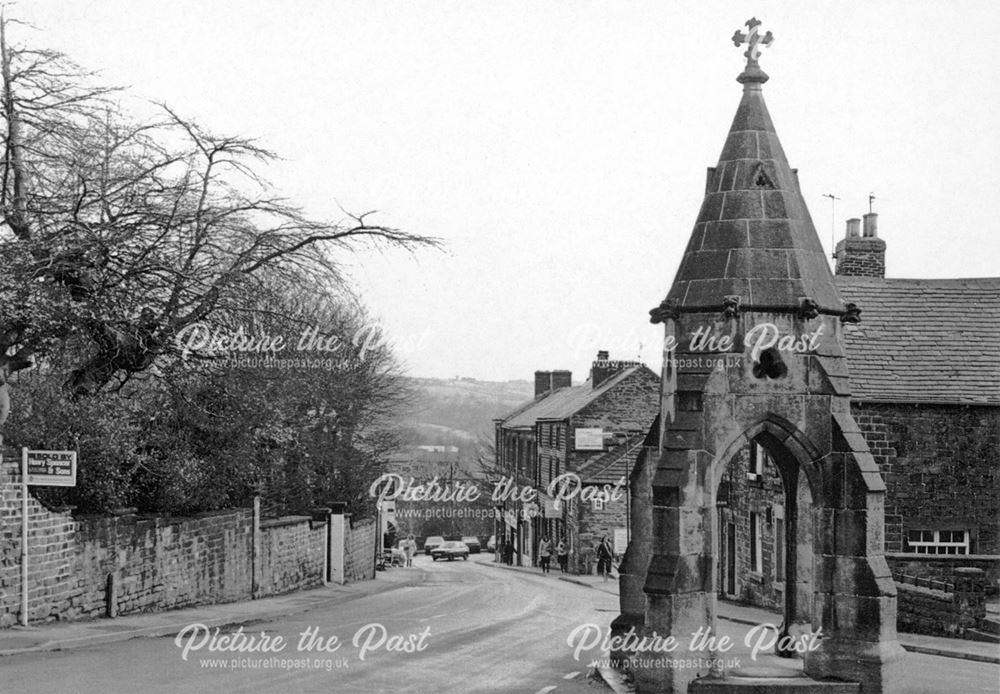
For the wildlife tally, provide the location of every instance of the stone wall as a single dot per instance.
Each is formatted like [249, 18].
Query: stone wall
[292, 555]
[359, 553]
[94, 566]
[940, 609]
[738, 497]
[131, 564]
[940, 468]
[942, 567]
[594, 524]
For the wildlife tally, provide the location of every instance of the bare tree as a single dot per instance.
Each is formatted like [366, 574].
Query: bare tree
[117, 235]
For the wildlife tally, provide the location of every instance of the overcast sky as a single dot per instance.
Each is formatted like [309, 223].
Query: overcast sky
[559, 149]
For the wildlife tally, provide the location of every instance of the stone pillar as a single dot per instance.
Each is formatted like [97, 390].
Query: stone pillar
[969, 597]
[632, 571]
[255, 558]
[856, 594]
[337, 543]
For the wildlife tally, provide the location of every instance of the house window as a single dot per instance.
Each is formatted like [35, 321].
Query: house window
[758, 459]
[938, 541]
[779, 549]
[598, 503]
[756, 564]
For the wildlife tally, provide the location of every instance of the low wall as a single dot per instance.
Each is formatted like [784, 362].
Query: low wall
[133, 564]
[292, 554]
[96, 566]
[359, 550]
[928, 606]
[941, 567]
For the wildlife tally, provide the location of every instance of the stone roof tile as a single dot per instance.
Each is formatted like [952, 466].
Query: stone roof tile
[924, 340]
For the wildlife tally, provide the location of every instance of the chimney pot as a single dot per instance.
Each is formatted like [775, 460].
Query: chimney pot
[853, 228]
[602, 355]
[871, 225]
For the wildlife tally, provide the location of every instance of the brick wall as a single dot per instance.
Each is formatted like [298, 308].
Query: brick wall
[860, 257]
[359, 552]
[940, 468]
[90, 566]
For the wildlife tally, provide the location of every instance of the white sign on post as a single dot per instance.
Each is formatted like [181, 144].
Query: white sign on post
[50, 468]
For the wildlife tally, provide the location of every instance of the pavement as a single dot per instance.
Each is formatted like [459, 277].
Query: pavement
[742, 614]
[54, 636]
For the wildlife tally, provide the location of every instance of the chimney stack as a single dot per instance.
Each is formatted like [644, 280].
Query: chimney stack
[861, 253]
[603, 368]
[562, 378]
[546, 381]
[543, 382]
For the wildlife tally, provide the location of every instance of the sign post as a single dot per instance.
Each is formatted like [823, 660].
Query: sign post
[40, 468]
[24, 537]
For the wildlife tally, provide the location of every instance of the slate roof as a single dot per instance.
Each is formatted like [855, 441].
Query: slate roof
[754, 237]
[924, 341]
[614, 464]
[563, 403]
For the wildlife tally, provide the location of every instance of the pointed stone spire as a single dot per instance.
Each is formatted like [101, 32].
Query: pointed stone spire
[754, 245]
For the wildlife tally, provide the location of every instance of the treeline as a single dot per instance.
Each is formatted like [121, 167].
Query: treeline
[168, 314]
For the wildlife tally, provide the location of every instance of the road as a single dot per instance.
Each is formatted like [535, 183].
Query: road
[452, 627]
[470, 627]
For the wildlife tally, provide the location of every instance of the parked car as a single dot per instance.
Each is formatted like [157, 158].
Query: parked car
[473, 544]
[450, 550]
[432, 542]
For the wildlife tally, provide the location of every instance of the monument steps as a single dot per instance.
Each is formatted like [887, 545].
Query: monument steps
[990, 624]
[771, 685]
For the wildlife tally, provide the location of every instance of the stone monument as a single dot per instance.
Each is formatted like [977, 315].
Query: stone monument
[754, 353]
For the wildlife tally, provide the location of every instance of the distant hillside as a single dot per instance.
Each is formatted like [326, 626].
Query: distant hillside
[459, 411]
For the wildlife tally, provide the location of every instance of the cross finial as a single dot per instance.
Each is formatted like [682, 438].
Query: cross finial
[753, 39]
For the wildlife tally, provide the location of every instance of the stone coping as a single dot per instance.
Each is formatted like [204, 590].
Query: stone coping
[283, 521]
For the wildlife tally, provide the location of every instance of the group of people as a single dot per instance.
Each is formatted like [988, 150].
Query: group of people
[545, 551]
[605, 556]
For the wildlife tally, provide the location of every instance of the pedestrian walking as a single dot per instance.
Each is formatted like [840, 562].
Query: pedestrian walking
[605, 553]
[544, 554]
[409, 549]
[562, 554]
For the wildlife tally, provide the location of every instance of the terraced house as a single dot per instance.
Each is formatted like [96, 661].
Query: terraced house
[592, 432]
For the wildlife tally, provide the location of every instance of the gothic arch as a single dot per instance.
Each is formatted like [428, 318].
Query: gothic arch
[783, 432]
